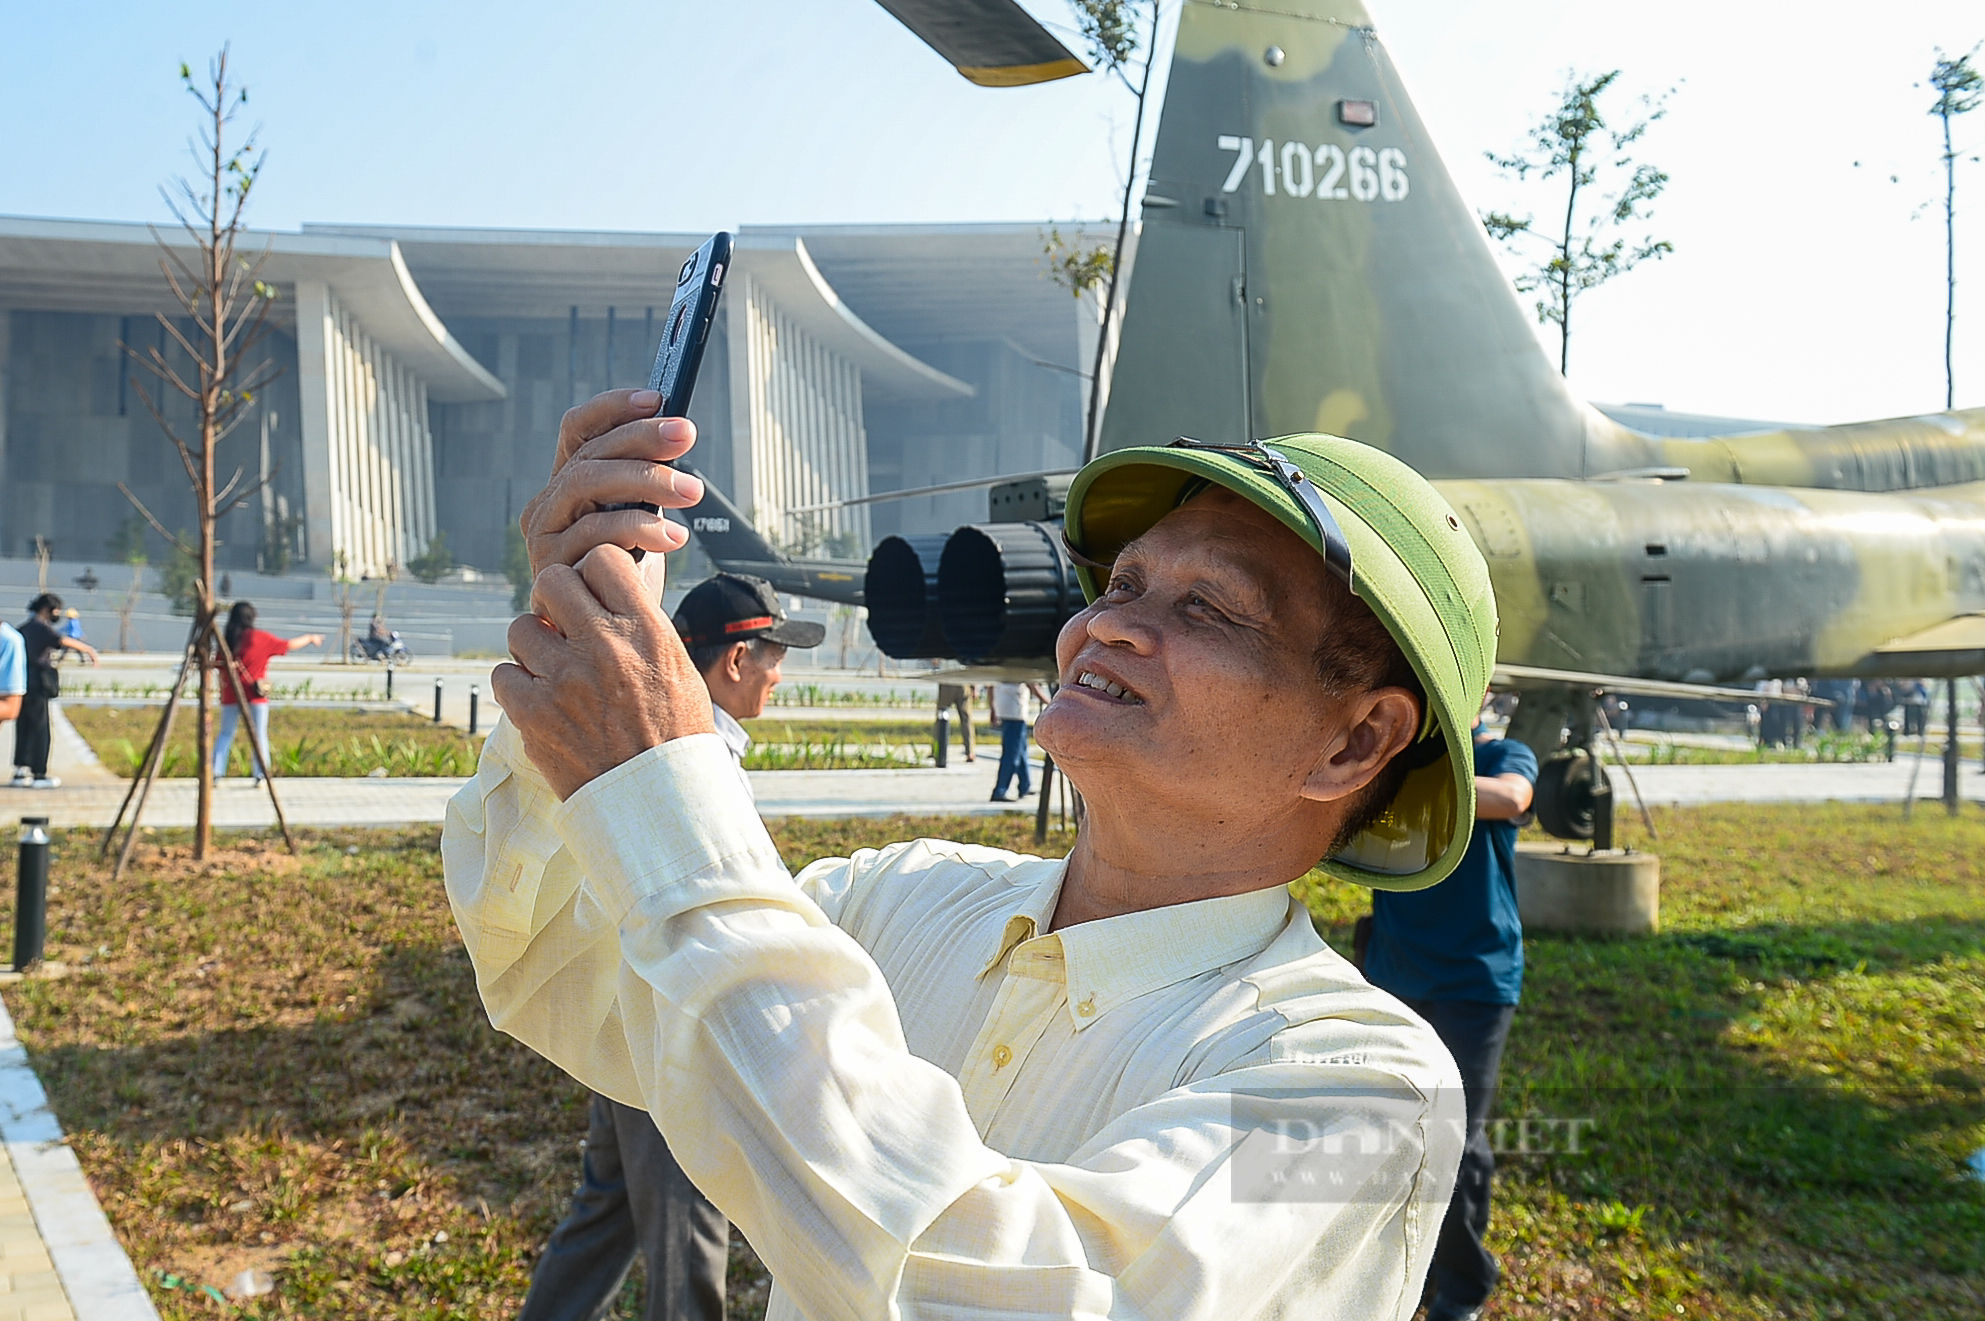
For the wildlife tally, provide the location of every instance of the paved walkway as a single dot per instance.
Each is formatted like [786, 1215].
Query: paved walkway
[29, 1287]
[59, 1260]
[383, 802]
[90, 794]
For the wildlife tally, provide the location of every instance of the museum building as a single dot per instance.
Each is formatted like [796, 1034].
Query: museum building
[420, 375]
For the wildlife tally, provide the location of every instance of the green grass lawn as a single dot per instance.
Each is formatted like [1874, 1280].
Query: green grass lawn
[1784, 1083]
[303, 740]
[779, 745]
[281, 1063]
[326, 741]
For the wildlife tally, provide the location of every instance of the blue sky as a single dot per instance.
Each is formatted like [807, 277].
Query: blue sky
[1803, 287]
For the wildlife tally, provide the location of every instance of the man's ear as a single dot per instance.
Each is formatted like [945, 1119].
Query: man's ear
[734, 661]
[1376, 726]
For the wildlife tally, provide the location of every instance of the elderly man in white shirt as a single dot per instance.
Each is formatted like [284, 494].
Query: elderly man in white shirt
[943, 1080]
[633, 1196]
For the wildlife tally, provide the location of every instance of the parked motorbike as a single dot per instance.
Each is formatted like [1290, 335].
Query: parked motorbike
[391, 649]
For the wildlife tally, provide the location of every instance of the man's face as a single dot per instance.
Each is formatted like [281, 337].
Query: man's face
[757, 669]
[1194, 674]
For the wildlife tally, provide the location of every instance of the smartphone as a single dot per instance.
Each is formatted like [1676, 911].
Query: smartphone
[698, 286]
[693, 311]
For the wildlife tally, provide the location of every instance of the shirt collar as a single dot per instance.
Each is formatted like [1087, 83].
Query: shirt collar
[1032, 911]
[1117, 959]
[732, 733]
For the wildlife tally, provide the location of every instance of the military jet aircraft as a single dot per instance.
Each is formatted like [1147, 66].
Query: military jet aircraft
[1305, 263]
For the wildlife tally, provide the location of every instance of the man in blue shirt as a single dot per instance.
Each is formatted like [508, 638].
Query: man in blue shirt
[13, 671]
[1454, 953]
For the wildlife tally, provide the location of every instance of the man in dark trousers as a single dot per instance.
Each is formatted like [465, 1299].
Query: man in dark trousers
[632, 1195]
[1454, 954]
[41, 639]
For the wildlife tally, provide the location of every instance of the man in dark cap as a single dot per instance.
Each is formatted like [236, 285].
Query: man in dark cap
[737, 635]
[632, 1196]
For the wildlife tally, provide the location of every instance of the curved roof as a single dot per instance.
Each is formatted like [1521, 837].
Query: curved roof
[99, 266]
[544, 273]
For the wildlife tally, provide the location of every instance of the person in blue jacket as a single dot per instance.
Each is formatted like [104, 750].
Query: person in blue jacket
[1454, 954]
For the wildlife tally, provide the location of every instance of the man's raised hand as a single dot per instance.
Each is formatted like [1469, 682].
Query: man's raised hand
[601, 676]
[611, 450]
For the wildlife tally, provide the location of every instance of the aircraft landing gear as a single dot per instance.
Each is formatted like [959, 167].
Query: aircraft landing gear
[1574, 799]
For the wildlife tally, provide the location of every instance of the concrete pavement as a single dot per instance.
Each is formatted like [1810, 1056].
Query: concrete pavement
[1846, 782]
[382, 802]
[961, 789]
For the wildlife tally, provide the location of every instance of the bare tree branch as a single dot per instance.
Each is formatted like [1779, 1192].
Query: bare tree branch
[221, 495]
[172, 538]
[246, 494]
[184, 449]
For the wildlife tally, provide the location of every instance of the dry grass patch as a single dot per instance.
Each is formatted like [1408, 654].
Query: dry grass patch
[281, 1063]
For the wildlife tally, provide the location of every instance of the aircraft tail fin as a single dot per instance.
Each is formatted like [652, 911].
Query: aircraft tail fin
[735, 546]
[725, 533]
[1306, 264]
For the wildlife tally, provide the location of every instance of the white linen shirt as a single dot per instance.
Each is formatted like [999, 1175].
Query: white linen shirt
[738, 742]
[914, 1103]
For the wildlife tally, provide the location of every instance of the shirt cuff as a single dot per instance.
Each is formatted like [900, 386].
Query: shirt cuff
[677, 813]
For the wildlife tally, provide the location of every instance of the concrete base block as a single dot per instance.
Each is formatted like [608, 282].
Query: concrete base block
[1588, 894]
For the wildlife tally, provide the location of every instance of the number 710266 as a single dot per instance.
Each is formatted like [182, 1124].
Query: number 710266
[1326, 171]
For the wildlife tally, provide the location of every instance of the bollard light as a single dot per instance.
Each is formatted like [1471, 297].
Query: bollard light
[31, 896]
[389, 683]
[475, 692]
[437, 699]
[942, 750]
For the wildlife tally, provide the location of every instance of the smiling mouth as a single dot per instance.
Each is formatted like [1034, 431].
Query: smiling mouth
[1109, 687]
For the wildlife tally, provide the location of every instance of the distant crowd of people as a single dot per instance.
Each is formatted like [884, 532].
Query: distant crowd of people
[1786, 709]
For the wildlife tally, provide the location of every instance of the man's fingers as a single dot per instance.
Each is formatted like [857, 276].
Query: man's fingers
[535, 645]
[619, 481]
[586, 485]
[615, 582]
[626, 528]
[513, 687]
[566, 600]
[599, 415]
[657, 439]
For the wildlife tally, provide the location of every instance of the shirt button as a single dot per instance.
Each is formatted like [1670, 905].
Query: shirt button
[1087, 1008]
[1002, 1056]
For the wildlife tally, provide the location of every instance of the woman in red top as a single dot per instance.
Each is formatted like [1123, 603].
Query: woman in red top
[253, 649]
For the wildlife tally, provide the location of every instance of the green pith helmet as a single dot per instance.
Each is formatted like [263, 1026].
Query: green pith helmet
[1410, 561]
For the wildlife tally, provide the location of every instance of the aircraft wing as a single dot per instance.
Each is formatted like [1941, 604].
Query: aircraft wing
[1531, 676]
[1956, 646]
[994, 43]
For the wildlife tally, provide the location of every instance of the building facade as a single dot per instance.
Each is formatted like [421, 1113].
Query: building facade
[421, 375]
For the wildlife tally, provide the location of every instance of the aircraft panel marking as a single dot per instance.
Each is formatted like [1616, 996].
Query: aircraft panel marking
[1375, 173]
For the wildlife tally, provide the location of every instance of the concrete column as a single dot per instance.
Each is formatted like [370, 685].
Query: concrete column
[743, 356]
[315, 337]
[6, 370]
[421, 478]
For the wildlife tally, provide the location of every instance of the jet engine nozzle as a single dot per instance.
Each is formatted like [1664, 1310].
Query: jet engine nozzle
[1004, 590]
[901, 595]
